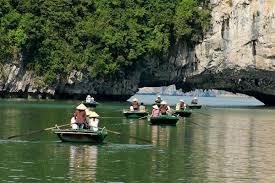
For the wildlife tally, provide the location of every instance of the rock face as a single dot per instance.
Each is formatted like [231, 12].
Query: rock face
[237, 55]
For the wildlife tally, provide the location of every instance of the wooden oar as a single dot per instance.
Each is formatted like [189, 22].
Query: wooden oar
[142, 117]
[117, 133]
[37, 131]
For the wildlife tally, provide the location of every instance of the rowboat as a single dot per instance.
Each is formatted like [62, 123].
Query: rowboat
[183, 113]
[81, 135]
[194, 106]
[134, 114]
[164, 120]
[90, 104]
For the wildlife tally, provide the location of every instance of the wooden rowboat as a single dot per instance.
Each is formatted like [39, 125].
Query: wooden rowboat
[164, 120]
[183, 113]
[91, 104]
[134, 114]
[81, 135]
[194, 106]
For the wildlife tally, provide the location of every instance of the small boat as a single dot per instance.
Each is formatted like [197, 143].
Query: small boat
[164, 120]
[81, 135]
[134, 114]
[183, 113]
[194, 106]
[90, 104]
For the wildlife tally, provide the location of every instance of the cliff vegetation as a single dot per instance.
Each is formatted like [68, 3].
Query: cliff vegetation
[101, 37]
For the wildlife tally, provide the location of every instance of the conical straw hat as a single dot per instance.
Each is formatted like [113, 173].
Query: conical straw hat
[81, 107]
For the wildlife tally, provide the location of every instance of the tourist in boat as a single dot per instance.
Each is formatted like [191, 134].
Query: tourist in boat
[142, 107]
[134, 105]
[194, 101]
[88, 99]
[164, 108]
[181, 105]
[158, 100]
[92, 120]
[79, 119]
[155, 110]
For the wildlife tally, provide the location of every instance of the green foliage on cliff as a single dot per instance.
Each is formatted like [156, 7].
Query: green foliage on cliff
[99, 36]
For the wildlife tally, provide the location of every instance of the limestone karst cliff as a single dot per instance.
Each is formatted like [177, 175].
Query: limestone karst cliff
[237, 54]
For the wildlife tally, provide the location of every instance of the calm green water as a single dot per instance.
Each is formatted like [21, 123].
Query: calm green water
[216, 144]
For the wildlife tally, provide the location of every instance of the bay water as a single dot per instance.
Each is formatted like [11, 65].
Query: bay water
[231, 139]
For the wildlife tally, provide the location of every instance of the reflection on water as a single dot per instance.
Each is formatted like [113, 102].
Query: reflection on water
[83, 163]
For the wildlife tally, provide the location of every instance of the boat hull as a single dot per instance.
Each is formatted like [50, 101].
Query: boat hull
[94, 104]
[183, 113]
[164, 120]
[194, 106]
[81, 136]
[135, 114]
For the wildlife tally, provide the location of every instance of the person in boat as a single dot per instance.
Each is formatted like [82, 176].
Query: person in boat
[93, 120]
[181, 105]
[79, 119]
[134, 105]
[88, 99]
[164, 108]
[194, 100]
[155, 110]
[158, 100]
[142, 107]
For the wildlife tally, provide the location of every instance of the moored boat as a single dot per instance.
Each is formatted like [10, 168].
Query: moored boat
[194, 106]
[164, 120]
[183, 113]
[134, 114]
[90, 104]
[81, 135]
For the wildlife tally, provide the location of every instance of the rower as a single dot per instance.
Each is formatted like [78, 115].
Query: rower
[134, 105]
[181, 105]
[164, 108]
[194, 101]
[79, 118]
[88, 99]
[158, 100]
[93, 120]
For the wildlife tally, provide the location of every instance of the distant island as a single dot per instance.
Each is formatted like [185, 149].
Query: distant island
[172, 91]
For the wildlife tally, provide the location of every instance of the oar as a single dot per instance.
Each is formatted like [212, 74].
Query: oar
[37, 131]
[142, 117]
[117, 133]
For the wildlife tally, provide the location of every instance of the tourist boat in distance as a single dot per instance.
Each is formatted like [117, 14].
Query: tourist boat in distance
[183, 113]
[81, 135]
[91, 104]
[134, 114]
[194, 106]
[164, 120]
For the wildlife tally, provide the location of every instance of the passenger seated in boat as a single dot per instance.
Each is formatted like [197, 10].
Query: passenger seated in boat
[89, 99]
[142, 107]
[164, 108]
[158, 100]
[194, 101]
[134, 105]
[155, 110]
[181, 105]
[79, 119]
[93, 120]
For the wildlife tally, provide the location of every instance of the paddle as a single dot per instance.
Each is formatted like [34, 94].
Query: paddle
[117, 133]
[142, 117]
[37, 131]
